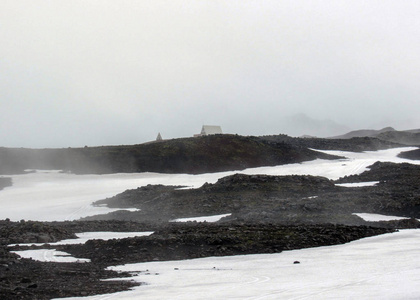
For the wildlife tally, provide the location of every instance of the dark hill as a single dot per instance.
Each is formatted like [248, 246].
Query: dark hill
[388, 134]
[401, 137]
[363, 133]
[355, 144]
[413, 154]
[187, 155]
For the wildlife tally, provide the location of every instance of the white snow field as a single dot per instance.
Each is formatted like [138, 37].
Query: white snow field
[358, 184]
[50, 255]
[83, 237]
[202, 219]
[380, 267]
[378, 217]
[55, 196]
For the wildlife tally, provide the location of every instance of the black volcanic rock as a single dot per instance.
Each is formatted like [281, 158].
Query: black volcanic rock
[413, 154]
[279, 199]
[188, 155]
[387, 134]
[237, 194]
[195, 240]
[32, 232]
[269, 213]
[355, 144]
[28, 279]
[389, 174]
[400, 137]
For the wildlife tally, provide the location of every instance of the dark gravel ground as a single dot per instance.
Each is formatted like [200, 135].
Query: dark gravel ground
[270, 214]
[293, 199]
[28, 279]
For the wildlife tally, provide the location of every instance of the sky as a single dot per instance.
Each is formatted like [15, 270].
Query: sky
[106, 72]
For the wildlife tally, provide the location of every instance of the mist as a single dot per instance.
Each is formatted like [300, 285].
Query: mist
[76, 73]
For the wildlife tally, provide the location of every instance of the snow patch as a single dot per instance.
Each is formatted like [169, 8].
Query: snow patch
[50, 255]
[358, 184]
[377, 217]
[311, 197]
[96, 235]
[202, 219]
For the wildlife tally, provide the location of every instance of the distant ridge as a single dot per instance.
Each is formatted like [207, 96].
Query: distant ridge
[362, 133]
[212, 153]
[389, 134]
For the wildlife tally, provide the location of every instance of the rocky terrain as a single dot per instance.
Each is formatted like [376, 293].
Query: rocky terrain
[28, 279]
[186, 155]
[364, 133]
[268, 214]
[388, 134]
[401, 137]
[279, 199]
[413, 154]
[355, 144]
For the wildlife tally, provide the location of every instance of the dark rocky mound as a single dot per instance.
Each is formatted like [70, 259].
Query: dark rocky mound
[279, 199]
[237, 194]
[100, 225]
[355, 144]
[188, 155]
[195, 240]
[413, 154]
[28, 279]
[397, 224]
[398, 190]
[31, 232]
[388, 173]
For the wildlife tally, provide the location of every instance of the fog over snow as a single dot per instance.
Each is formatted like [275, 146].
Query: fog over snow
[54, 196]
[381, 267]
[88, 72]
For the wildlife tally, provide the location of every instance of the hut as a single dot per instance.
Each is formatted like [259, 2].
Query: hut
[209, 130]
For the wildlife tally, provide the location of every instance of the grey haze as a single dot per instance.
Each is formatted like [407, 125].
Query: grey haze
[75, 73]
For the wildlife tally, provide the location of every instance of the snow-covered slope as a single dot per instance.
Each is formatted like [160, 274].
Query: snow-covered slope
[54, 196]
[380, 267]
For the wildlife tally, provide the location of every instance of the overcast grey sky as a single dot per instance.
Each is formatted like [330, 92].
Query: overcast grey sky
[106, 72]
